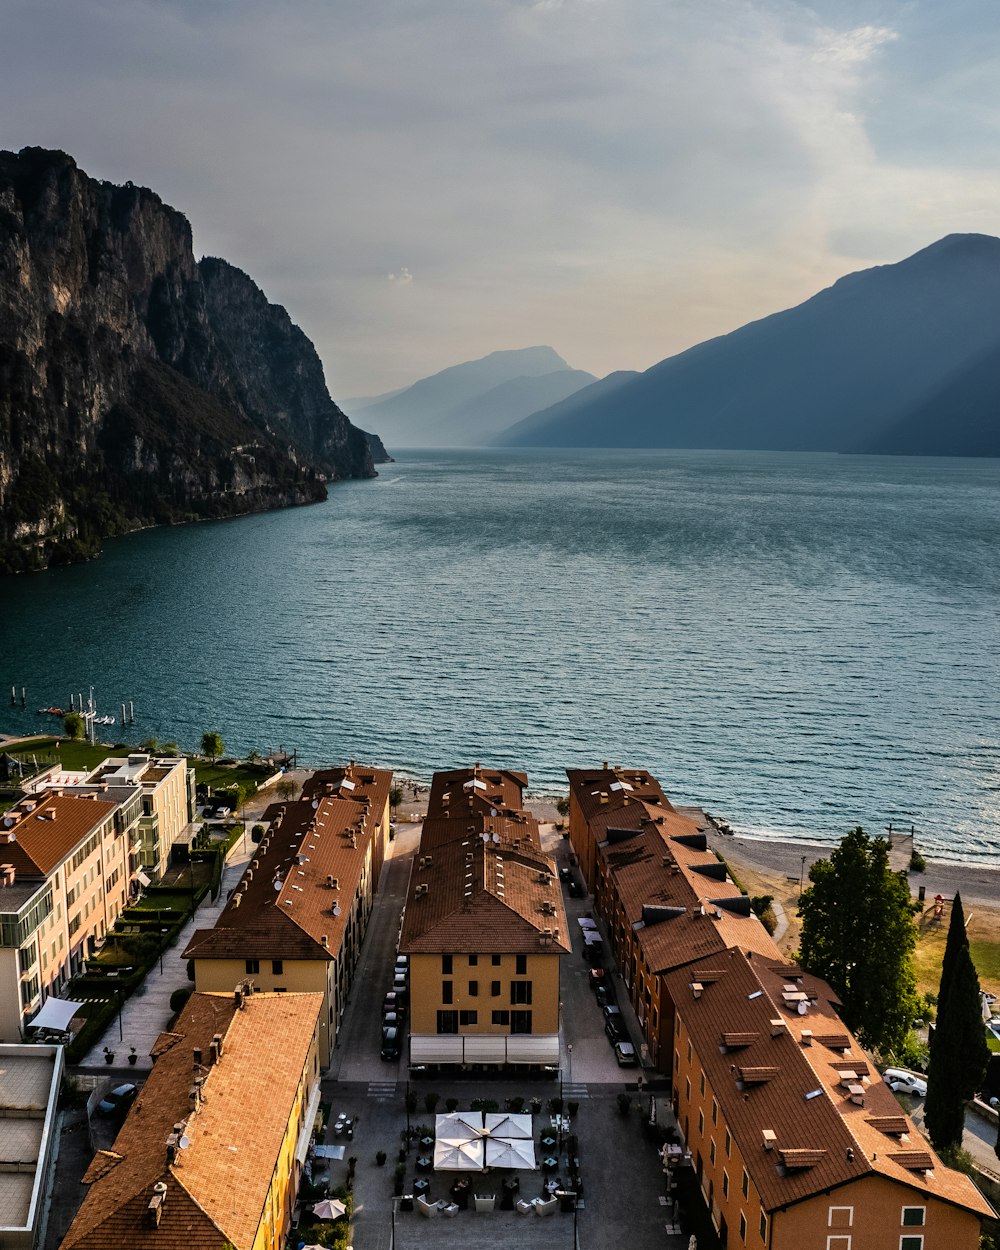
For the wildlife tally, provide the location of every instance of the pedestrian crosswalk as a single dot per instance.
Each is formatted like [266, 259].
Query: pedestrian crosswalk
[575, 1090]
[382, 1091]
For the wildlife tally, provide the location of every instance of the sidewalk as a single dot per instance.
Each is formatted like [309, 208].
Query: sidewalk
[145, 1015]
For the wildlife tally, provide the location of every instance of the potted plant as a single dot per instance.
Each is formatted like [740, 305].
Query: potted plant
[109, 1056]
[380, 1158]
[450, 1104]
[536, 1106]
[624, 1103]
[572, 1107]
[431, 1101]
[132, 1056]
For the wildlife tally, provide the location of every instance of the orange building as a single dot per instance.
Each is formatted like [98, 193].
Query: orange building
[795, 1139]
[211, 1153]
[484, 928]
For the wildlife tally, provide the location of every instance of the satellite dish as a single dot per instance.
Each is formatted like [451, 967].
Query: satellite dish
[803, 1008]
[496, 837]
[336, 909]
[486, 836]
[184, 1143]
[277, 885]
[315, 804]
[493, 811]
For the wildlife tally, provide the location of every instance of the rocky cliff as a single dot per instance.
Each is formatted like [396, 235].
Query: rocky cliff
[137, 385]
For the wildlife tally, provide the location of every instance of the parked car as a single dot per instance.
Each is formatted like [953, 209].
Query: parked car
[604, 995]
[118, 1100]
[390, 1043]
[391, 1002]
[625, 1054]
[392, 1020]
[596, 977]
[575, 888]
[566, 873]
[614, 1025]
[903, 1081]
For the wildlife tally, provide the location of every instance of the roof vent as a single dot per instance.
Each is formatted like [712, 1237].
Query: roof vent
[770, 1137]
[218, 1040]
[196, 1054]
[333, 882]
[697, 989]
[325, 939]
[237, 899]
[778, 1027]
[806, 1037]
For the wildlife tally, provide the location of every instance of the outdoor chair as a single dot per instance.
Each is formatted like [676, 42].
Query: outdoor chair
[546, 1208]
[450, 1209]
[485, 1202]
[429, 1209]
[523, 1206]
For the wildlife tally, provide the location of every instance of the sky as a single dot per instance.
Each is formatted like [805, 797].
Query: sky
[421, 182]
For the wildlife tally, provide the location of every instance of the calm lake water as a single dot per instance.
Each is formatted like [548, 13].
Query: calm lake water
[801, 643]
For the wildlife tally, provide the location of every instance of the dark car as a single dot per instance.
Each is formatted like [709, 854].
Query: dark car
[118, 1100]
[615, 1030]
[575, 888]
[596, 977]
[390, 1043]
[566, 874]
[604, 996]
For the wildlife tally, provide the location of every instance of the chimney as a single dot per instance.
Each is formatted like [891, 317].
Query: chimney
[806, 1037]
[238, 996]
[213, 1053]
[218, 1042]
[197, 1057]
[770, 1137]
[778, 1027]
[325, 939]
[697, 989]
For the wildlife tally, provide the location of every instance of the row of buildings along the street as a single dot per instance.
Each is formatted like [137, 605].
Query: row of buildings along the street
[794, 1138]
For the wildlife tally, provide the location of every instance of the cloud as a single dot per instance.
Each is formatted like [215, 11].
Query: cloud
[617, 179]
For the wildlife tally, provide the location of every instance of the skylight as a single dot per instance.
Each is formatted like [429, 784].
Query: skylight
[813, 1093]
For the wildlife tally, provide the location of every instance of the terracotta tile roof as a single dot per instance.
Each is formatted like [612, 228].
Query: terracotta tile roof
[804, 1102]
[216, 1188]
[678, 914]
[49, 831]
[353, 781]
[305, 847]
[604, 791]
[481, 881]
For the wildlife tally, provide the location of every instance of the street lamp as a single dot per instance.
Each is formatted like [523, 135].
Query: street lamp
[802, 874]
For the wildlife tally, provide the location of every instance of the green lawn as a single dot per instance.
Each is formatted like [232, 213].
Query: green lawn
[77, 756]
[218, 776]
[164, 900]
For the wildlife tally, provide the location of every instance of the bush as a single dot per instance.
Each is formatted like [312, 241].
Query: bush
[179, 998]
[399, 1179]
[917, 862]
[431, 1100]
[450, 1104]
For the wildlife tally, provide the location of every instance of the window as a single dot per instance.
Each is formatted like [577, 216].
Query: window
[687, 1089]
[711, 1151]
[277, 967]
[715, 1112]
[520, 1021]
[841, 1217]
[729, 1142]
[677, 1061]
[913, 1217]
[702, 1085]
[520, 991]
[468, 1017]
[447, 1021]
[497, 960]
[446, 991]
[473, 989]
[446, 961]
[763, 1225]
[689, 1052]
[746, 1184]
[743, 1227]
[473, 960]
[701, 1123]
[494, 989]
[725, 1184]
[253, 965]
[521, 965]
[911, 1243]
[839, 1242]
[501, 1017]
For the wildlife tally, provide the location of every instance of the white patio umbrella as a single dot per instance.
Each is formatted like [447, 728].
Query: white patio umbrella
[502, 1124]
[329, 1209]
[458, 1156]
[510, 1152]
[459, 1125]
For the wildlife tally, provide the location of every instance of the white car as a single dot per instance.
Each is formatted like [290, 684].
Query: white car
[902, 1081]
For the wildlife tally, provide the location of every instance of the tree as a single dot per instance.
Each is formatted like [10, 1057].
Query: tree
[169, 749]
[395, 797]
[74, 724]
[858, 934]
[562, 805]
[286, 788]
[211, 745]
[959, 1053]
[151, 746]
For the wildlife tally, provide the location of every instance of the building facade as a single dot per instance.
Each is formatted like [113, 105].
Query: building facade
[296, 921]
[484, 928]
[211, 1153]
[30, 1079]
[66, 861]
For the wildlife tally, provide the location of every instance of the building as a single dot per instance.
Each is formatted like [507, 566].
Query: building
[666, 900]
[168, 801]
[66, 861]
[296, 921]
[30, 1077]
[794, 1137]
[484, 928]
[211, 1153]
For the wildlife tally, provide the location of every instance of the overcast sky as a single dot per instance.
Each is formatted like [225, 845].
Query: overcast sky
[421, 182]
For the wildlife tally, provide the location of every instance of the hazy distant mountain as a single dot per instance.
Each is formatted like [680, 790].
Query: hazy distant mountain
[468, 404]
[881, 360]
[523, 432]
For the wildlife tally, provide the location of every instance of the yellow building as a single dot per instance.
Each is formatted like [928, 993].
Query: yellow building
[796, 1141]
[484, 929]
[211, 1153]
[65, 867]
[295, 922]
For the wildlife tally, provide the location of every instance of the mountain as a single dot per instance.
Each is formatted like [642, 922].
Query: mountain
[523, 431]
[868, 363]
[467, 404]
[138, 386]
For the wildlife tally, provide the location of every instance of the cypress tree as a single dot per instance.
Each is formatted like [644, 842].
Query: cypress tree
[959, 1053]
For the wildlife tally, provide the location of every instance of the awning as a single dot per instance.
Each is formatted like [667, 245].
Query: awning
[55, 1014]
[308, 1120]
[532, 1048]
[328, 1152]
[431, 1048]
[485, 1048]
[141, 877]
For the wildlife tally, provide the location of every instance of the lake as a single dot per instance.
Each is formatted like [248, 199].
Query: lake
[801, 643]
